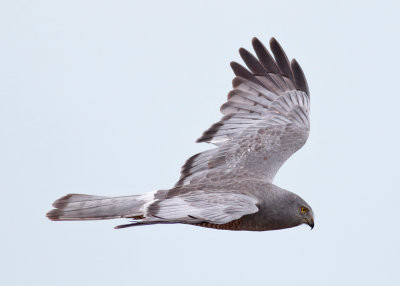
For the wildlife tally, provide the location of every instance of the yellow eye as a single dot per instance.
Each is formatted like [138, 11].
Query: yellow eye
[303, 210]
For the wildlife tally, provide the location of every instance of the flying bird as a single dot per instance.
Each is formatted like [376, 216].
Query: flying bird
[266, 120]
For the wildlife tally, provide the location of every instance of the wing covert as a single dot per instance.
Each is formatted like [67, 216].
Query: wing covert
[215, 207]
[266, 119]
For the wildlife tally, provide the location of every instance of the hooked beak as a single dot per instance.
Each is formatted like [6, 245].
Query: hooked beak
[310, 222]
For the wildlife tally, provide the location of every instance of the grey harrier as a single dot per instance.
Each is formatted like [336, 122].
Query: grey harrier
[266, 120]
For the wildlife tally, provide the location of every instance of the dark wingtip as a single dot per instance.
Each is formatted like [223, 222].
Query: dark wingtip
[241, 71]
[53, 214]
[236, 67]
[62, 201]
[273, 42]
[254, 40]
[281, 58]
[243, 53]
[299, 77]
[236, 82]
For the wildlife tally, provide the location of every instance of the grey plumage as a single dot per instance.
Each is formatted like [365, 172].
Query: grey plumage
[86, 207]
[266, 120]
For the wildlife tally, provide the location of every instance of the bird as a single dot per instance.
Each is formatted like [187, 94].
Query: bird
[229, 187]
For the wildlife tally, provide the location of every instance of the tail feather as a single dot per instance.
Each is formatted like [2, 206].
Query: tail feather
[87, 207]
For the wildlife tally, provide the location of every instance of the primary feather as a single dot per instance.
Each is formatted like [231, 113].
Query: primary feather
[266, 118]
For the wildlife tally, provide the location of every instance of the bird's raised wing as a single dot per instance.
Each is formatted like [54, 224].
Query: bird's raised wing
[266, 119]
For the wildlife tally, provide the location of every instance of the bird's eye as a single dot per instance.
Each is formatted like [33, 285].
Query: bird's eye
[303, 210]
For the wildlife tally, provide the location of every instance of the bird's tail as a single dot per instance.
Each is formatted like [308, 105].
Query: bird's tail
[87, 207]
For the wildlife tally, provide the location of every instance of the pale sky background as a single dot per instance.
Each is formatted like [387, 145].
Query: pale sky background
[108, 97]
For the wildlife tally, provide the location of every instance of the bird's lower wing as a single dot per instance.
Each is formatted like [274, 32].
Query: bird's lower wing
[214, 207]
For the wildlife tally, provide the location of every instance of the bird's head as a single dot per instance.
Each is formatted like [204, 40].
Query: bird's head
[285, 209]
[305, 213]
